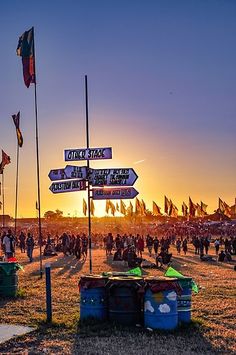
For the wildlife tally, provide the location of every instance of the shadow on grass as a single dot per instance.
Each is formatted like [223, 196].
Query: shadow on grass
[110, 338]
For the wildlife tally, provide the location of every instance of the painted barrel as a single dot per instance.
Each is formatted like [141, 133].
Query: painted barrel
[184, 300]
[160, 303]
[125, 300]
[93, 298]
[8, 279]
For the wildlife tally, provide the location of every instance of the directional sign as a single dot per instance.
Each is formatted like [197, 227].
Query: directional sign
[76, 172]
[68, 186]
[113, 177]
[88, 154]
[57, 174]
[115, 193]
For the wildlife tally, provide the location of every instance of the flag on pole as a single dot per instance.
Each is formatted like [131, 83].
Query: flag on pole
[92, 208]
[113, 209]
[203, 208]
[221, 206]
[108, 206]
[84, 207]
[117, 207]
[173, 212]
[227, 210]
[25, 49]
[167, 205]
[16, 120]
[130, 209]
[143, 208]
[192, 208]
[122, 208]
[156, 209]
[138, 209]
[5, 160]
[184, 209]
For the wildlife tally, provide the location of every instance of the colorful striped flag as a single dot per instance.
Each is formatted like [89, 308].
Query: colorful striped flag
[25, 49]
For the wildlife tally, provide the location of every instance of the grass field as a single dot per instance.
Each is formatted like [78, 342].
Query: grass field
[212, 331]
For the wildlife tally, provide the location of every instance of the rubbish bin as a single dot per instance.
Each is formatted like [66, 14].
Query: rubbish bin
[184, 300]
[160, 303]
[125, 299]
[8, 279]
[93, 298]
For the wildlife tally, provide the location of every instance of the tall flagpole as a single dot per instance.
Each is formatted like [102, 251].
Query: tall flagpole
[89, 212]
[37, 163]
[17, 174]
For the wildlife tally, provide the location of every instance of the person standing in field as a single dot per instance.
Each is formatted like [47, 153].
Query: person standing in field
[8, 243]
[30, 246]
[140, 245]
[185, 246]
[217, 246]
[22, 238]
[84, 243]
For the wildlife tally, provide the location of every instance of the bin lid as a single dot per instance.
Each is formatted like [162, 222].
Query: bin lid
[160, 279]
[125, 278]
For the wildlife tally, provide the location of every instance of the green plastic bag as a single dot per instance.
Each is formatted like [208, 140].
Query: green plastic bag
[171, 272]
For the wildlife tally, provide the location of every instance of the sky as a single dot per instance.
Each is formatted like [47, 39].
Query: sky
[161, 86]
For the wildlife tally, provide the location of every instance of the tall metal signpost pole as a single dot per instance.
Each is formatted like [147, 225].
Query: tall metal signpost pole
[88, 166]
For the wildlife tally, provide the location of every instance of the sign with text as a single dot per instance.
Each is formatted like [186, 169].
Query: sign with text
[76, 172]
[57, 174]
[114, 193]
[68, 186]
[112, 177]
[88, 154]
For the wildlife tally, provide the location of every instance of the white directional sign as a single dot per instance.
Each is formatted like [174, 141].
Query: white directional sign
[68, 186]
[112, 177]
[88, 154]
[114, 193]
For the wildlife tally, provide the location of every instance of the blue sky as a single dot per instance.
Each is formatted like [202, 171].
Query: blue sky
[161, 89]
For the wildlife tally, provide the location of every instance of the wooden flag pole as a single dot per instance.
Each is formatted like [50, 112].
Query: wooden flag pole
[38, 170]
[17, 174]
[89, 197]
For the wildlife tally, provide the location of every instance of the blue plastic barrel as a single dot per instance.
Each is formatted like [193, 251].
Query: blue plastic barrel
[160, 303]
[93, 298]
[125, 300]
[184, 300]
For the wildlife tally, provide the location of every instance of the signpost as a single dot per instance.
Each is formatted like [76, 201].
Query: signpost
[69, 172]
[88, 154]
[112, 177]
[119, 193]
[85, 177]
[68, 186]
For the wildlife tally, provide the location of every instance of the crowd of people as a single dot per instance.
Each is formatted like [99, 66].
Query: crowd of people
[130, 246]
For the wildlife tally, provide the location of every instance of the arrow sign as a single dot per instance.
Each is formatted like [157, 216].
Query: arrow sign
[68, 186]
[88, 154]
[76, 172]
[57, 174]
[113, 177]
[114, 194]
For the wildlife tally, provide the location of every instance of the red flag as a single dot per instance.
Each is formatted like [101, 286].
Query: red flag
[25, 49]
[5, 160]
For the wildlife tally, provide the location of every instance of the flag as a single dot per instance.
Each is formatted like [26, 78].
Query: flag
[137, 206]
[143, 208]
[0, 205]
[192, 208]
[221, 206]
[156, 209]
[92, 208]
[16, 120]
[5, 160]
[108, 206]
[227, 210]
[122, 208]
[117, 207]
[130, 209]
[184, 209]
[25, 49]
[198, 210]
[203, 208]
[173, 212]
[113, 209]
[167, 205]
[84, 207]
